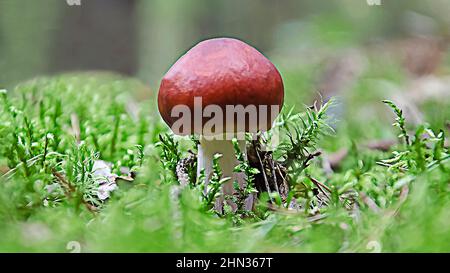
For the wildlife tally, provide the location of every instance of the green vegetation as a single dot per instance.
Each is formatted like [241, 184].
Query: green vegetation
[55, 132]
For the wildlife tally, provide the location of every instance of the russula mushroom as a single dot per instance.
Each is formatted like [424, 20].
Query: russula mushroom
[224, 88]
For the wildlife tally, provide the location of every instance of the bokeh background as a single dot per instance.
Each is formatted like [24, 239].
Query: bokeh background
[348, 49]
[357, 53]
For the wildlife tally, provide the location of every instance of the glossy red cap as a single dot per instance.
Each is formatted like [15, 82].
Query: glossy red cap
[221, 71]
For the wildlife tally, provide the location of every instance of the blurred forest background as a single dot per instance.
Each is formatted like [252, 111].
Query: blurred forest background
[346, 48]
[144, 37]
[357, 53]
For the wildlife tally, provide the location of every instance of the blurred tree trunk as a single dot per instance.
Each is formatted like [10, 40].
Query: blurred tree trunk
[169, 28]
[25, 29]
[164, 34]
[98, 35]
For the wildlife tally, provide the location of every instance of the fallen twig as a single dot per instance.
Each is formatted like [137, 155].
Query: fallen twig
[69, 190]
[319, 185]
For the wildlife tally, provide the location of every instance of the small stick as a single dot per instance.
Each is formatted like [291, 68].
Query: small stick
[279, 171]
[272, 166]
[319, 185]
[310, 157]
[64, 183]
[263, 172]
[69, 189]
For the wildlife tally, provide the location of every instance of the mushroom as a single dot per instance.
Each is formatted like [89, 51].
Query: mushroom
[224, 88]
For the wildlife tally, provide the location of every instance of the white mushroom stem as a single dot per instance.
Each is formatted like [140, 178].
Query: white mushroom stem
[206, 151]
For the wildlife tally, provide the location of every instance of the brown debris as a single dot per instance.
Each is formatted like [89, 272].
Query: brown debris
[422, 55]
[272, 175]
[381, 145]
[183, 167]
[334, 160]
[4, 169]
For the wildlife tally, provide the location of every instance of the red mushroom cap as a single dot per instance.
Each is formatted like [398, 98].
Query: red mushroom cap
[222, 71]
